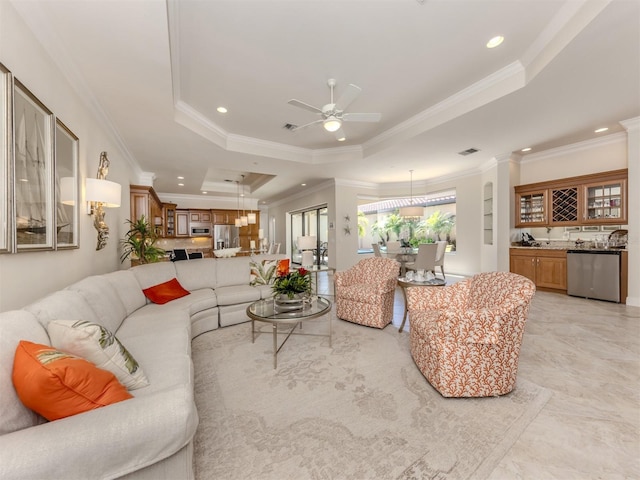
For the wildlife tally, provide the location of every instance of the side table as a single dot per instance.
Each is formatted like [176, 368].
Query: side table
[403, 283]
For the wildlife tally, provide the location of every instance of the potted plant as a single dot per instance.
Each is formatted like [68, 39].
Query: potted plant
[292, 284]
[139, 243]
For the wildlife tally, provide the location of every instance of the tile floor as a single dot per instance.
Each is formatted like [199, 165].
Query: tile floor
[587, 352]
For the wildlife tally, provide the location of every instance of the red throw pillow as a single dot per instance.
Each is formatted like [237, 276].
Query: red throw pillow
[165, 292]
[56, 384]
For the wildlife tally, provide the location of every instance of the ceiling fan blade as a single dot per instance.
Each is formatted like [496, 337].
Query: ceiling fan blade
[348, 96]
[361, 117]
[340, 135]
[306, 106]
[306, 125]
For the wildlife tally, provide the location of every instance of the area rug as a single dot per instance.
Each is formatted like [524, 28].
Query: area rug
[359, 409]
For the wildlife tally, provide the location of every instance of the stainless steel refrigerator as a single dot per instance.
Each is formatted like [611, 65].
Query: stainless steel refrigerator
[225, 236]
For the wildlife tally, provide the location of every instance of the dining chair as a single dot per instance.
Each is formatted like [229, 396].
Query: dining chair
[179, 254]
[426, 258]
[442, 248]
[376, 249]
[195, 255]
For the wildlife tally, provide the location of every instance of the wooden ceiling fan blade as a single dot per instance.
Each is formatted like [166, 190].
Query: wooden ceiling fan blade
[361, 117]
[305, 106]
[306, 125]
[348, 96]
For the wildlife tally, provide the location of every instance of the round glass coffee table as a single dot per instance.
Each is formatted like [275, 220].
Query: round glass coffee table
[267, 311]
[405, 283]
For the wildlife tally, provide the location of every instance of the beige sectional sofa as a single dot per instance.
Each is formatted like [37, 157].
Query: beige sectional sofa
[151, 435]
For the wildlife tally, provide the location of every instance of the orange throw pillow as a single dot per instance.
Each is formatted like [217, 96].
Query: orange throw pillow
[56, 384]
[165, 292]
[283, 267]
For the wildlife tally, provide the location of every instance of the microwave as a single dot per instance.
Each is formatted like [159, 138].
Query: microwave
[200, 231]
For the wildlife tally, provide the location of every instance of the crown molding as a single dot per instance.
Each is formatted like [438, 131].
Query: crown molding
[575, 147]
[631, 125]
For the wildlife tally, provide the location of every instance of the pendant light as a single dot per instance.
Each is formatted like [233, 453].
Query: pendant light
[238, 222]
[411, 211]
[244, 221]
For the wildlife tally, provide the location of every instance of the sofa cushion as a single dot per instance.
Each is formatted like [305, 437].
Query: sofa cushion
[103, 299]
[65, 305]
[232, 271]
[128, 288]
[237, 294]
[197, 275]
[98, 345]
[56, 384]
[154, 273]
[15, 326]
[165, 292]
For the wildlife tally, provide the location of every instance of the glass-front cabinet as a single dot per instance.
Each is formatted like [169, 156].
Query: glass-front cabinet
[531, 208]
[605, 202]
[594, 199]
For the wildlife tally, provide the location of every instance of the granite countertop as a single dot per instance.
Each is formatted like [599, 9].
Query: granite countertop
[545, 246]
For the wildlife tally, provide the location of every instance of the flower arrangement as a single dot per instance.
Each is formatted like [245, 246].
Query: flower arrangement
[290, 283]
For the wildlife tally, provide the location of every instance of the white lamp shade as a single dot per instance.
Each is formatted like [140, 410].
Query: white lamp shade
[244, 220]
[308, 242]
[260, 234]
[238, 222]
[103, 191]
[251, 218]
[252, 244]
[411, 211]
[68, 187]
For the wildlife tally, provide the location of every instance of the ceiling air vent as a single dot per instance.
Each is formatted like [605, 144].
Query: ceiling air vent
[468, 151]
[289, 126]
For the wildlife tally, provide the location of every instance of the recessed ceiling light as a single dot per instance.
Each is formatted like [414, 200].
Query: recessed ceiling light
[204, 193]
[600, 130]
[181, 184]
[180, 178]
[303, 184]
[495, 41]
[221, 110]
[528, 149]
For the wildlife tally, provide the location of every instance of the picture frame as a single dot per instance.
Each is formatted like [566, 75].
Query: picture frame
[33, 172]
[67, 187]
[6, 129]
[590, 228]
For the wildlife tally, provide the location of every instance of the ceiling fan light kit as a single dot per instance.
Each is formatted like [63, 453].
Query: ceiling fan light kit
[333, 114]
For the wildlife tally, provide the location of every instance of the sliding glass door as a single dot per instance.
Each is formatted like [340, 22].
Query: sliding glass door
[314, 223]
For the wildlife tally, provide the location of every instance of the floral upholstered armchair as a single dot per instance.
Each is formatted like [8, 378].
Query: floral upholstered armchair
[466, 337]
[364, 293]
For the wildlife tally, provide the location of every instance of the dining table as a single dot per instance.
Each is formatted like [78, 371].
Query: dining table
[403, 255]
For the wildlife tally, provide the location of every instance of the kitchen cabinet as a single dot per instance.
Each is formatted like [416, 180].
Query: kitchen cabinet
[169, 218]
[200, 216]
[182, 223]
[145, 201]
[605, 202]
[546, 268]
[595, 199]
[224, 217]
[531, 207]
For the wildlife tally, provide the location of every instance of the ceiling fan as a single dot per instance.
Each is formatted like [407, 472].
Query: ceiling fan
[333, 114]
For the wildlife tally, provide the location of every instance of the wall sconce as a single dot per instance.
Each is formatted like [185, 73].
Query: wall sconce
[101, 194]
[307, 245]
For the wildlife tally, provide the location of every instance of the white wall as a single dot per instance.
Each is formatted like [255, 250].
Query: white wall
[25, 277]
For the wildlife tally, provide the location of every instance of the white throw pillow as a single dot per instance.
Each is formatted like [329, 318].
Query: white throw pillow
[99, 346]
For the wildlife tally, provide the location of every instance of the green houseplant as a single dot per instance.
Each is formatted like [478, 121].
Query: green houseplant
[139, 242]
[292, 283]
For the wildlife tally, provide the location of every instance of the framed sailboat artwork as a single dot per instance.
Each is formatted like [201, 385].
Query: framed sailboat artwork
[66, 187]
[6, 90]
[33, 168]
